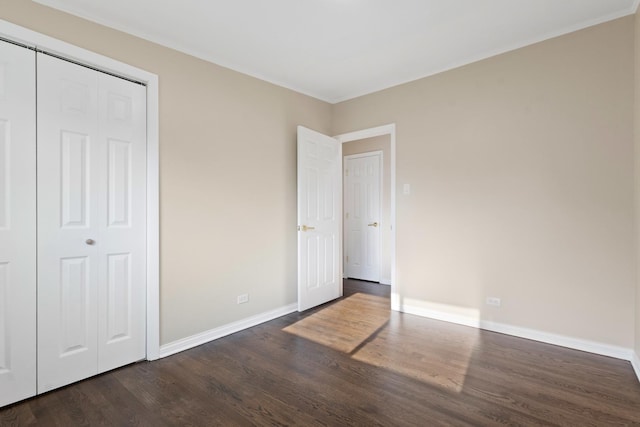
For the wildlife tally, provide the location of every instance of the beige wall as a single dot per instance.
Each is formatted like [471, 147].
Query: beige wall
[227, 176]
[637, 176]
[379, 143]
[521, 169]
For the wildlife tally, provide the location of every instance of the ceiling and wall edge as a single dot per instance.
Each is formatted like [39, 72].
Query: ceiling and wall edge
[253, 73]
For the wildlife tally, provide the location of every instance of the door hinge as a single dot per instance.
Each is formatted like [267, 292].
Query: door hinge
[347, 215]
[347, 258]
[346, 172]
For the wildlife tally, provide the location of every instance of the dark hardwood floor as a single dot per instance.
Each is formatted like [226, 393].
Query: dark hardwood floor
[351, 362]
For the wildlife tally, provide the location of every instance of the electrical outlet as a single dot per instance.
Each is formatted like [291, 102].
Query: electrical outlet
[243, 298]
[494, 301]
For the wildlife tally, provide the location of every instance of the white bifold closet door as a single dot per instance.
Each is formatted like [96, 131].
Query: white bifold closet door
[17, 223]
[91, 222]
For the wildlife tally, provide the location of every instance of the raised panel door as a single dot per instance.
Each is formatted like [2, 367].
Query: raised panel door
[68, 222]
[91, 222]
[121, 222]
[17, 224]
[362, 212]
[319, 214]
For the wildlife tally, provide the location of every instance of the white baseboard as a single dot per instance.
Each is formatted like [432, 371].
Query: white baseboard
[635, 362]
[561, 340]
[457, 318]
[532, 334]
[222, 331]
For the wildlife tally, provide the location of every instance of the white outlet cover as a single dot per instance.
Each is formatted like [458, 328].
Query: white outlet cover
[494, 301]
[406, 189]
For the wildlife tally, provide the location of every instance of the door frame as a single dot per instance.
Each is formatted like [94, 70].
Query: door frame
[380, 155]
[40, 42]
[390, 130]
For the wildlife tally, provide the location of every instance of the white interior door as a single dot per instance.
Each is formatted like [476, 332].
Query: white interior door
[67, 222]
[17, 223]
[362, 216]
[122, 222]
[91, 226]
[319, 218]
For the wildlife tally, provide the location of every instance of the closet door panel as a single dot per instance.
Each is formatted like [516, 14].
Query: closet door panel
[68, 228]
[122, 219]
[17, 224]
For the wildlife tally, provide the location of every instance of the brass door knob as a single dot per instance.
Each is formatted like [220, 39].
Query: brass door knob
[374, 224]
[306, 228]
[90, 241]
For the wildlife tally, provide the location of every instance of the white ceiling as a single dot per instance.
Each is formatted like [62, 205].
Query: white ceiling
[339, 49]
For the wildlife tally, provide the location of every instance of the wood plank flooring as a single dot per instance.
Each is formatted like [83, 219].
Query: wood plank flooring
[351, 362]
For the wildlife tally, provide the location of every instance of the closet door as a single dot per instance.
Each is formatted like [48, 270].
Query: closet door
[91, 222]
[122, 222]
[67, 222]
[17, 223]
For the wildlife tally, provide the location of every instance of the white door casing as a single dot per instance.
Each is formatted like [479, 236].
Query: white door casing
[363, 215]
[17, 223]
[91, 228]
[319, 218]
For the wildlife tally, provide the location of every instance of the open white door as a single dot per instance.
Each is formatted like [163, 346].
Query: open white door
[319, 218]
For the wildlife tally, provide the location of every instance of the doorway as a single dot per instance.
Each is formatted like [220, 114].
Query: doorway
[383, 139]
[320, 214]
[365, 213]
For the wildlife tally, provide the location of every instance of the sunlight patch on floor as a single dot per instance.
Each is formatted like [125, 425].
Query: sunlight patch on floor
[434, 353]
[346, 324]
[426, 355]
